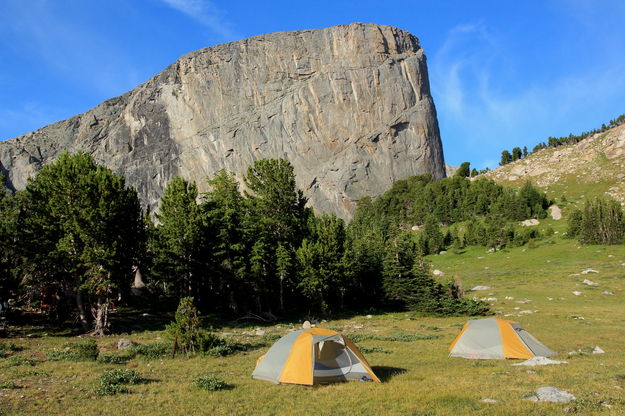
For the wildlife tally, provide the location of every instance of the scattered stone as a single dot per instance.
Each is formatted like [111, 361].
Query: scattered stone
[529, 371]
[490, 250]
[487, 400]
[581, 318]
[610, 255]
[32, 336]
[523, 301]
[437, 272]
[481, 288]
[306, 325]
[509, 298]
[530, 222]
[517, 308]
[550, 394]
[576, 293]
[590, 282]
[605, 292]
[589, 270]
[259, 332]
[556, 212]
[480, 257]
[369, 316]
[486, 267]
[415, 228]
[534, 361]
[525, 312]
[124, 343]
[598, 350]
[358, 327]
[442, 252]
[548, 298]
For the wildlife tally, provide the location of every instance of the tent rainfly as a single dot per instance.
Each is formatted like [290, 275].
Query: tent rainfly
[313, 356]
[494, 338]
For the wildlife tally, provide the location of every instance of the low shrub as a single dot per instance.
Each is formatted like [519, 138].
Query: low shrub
[9, 385]
[398, 336]
[113, 359]
[9, 347]
[152, 351]
[371, 350]
[86, 350]
[114, 381]
[17, 360]
[210, 383]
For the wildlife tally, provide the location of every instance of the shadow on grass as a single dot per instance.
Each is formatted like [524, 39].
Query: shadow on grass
[386, 373]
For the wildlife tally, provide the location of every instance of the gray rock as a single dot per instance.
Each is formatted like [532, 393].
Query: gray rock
[349, 106]
[605, 292]
[124, 343]
[438, 273]
[589, 270]
[529, 223]
[550, 394]
[476, 288]
[487, 400]
[590, 282]
[259, 332]
[598, 350]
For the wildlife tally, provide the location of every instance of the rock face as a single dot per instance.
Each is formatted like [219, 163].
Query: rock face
[348, 106]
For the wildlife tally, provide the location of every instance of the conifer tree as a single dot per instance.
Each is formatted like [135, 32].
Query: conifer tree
[83, 230]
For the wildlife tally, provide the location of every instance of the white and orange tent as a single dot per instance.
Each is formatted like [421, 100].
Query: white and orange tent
[494, 338]
[313, 356]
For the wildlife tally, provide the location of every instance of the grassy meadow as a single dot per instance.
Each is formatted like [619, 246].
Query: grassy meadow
[407, 351]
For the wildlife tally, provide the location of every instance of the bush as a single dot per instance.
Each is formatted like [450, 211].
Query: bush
[113, 359]
[152, 351]
[114, 381]
[17, 360]
[86, 350]
[9, 347]
[370, 350]
[187, 334]
[9, 385]
[210, 383]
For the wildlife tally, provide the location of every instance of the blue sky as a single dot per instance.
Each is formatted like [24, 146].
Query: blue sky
[503, 73]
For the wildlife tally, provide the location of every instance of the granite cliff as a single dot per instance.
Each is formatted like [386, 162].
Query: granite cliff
[349, 106]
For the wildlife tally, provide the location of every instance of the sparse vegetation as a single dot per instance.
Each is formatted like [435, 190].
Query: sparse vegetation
[115, 381]
[210, 383]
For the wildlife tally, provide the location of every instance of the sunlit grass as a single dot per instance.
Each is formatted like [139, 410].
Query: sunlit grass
[409, 353]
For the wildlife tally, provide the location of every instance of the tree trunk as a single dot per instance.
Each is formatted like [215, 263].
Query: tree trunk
[84, 323]
[282, 293]
[101, 316]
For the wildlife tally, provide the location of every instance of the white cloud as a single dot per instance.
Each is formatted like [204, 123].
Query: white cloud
[486, 104]
[207, 14]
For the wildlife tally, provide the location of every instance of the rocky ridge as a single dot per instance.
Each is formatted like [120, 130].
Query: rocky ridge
[594, 166]
[349, 106]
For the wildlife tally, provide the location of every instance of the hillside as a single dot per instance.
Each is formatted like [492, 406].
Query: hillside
[349, 106]
[593, 167]
[408, 351]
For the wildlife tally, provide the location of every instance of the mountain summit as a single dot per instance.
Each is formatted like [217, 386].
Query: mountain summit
[349, 106]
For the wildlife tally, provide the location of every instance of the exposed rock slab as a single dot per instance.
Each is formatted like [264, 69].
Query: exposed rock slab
[349, 106]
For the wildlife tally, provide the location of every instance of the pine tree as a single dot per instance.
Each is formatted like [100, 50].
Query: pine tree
[83, 230]
[179, 238]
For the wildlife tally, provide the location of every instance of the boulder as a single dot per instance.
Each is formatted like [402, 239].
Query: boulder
[437, 272]
[550, 394]
[598, 350]
[530, 222]
[124, 343]
[534, 361]
[590, 282]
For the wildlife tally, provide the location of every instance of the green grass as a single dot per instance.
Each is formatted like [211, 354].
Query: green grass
[407, 351]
